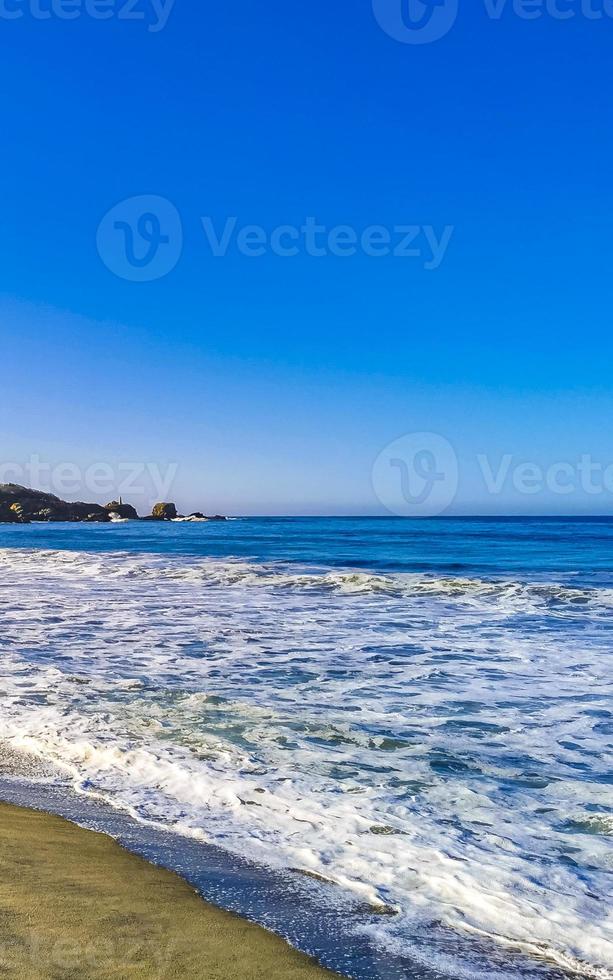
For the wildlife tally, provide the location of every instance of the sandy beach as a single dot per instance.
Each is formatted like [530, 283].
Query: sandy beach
[74, 904]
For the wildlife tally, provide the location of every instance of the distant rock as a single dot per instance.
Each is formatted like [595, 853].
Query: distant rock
[20, 505]
[36, 505]
[125, 511]
[9, 515]
[17, 511]
[163, 512]
[93, 513]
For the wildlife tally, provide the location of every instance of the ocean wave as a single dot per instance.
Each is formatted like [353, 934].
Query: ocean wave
[223, 802]
[409, 738]
[279, 576]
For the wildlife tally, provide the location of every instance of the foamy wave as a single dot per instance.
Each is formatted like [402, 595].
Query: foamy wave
[224, 802]
[237, 572]
[215, 803]
[408, 738]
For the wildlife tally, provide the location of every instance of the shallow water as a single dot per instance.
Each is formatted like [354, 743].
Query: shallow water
[418, 712]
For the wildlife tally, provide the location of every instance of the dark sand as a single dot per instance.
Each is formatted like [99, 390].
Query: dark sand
[74, 904]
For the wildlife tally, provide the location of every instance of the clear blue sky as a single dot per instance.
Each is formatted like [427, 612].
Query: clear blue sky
[273, 382]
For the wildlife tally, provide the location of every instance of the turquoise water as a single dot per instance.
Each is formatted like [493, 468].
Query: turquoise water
[419, 713]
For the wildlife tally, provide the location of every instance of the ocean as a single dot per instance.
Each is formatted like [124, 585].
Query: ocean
[415, 718]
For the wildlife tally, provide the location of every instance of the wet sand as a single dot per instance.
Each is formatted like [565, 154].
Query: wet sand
[74, 904]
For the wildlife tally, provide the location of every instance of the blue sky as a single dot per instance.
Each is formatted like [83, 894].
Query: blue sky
[270, 383]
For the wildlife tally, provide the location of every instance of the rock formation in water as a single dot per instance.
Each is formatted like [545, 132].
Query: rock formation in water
[164, 512]
[20, 505]
[125, 511]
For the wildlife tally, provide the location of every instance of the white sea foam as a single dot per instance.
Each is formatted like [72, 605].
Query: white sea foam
[435, 745]
[510, 595]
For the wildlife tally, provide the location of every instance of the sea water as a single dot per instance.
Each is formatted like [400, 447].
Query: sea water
[417, 714]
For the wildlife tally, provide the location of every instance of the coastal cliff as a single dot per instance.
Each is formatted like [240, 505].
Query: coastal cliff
[21, 505]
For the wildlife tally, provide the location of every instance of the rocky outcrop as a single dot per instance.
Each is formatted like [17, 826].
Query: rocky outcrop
[168, 512]
[197, 516]
[20, 505]
[125, 511]
[164, 512]
[35, 505]
[9, 515]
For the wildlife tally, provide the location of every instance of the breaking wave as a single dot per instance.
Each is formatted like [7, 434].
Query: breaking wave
[237, 572]
[433, 746]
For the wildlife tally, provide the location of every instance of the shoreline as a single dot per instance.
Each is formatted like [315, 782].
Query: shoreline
[328, 928]
[75, 902]
[299, 911]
